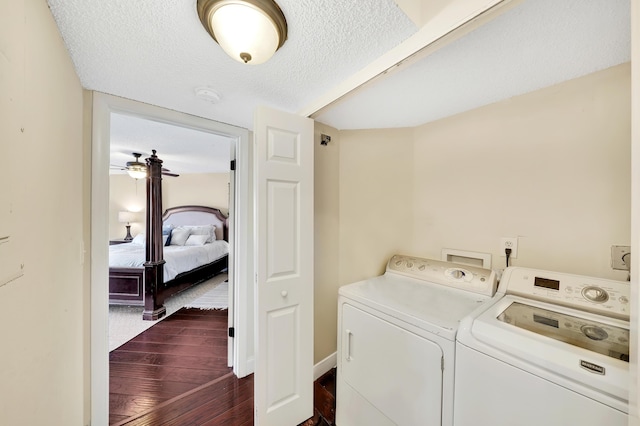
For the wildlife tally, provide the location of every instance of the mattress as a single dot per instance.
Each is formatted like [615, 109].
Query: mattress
[178, 259]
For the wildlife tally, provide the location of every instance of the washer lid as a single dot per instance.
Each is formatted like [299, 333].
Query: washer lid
[493, 332]
[584, 333]
[431, 307]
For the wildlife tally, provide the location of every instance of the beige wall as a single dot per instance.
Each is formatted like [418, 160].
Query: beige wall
[211, 189]
[376, 199]
[326, 239]
[551, 167]
[43, 361]
[125, 193]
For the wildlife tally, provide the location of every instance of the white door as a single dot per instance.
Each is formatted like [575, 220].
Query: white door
[284, 262]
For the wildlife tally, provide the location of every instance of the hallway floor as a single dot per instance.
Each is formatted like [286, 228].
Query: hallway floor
[175, 373]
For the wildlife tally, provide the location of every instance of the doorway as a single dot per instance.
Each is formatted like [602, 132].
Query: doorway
[241, 265]
[196, 172]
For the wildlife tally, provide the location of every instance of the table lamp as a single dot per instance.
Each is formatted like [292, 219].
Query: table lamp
[127, 217]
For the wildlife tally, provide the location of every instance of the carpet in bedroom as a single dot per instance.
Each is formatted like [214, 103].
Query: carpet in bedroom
[125, 322]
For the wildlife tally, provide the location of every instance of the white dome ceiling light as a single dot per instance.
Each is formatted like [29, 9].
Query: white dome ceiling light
[250, 31]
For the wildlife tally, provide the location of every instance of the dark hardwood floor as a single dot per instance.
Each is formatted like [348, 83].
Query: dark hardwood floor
[175, 373]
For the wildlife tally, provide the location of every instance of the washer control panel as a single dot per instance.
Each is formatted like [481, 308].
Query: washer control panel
[598, 295]
[470, 278]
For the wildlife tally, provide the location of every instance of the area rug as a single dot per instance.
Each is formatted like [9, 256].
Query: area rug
[216, 298]
[125, 322]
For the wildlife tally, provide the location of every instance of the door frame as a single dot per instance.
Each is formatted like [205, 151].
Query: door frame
[634, 389]
[103, 106]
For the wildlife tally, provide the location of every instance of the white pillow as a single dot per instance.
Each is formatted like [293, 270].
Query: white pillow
[196, 240]
[208, 230]
[139, 239]
[179, 236]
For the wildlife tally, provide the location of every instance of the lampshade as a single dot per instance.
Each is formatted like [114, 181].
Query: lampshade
[126, 217]
[249, 31]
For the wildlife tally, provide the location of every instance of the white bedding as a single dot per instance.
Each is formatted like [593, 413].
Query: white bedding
[178, 258]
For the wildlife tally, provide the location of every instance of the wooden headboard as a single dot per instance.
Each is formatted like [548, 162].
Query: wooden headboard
[198, 215]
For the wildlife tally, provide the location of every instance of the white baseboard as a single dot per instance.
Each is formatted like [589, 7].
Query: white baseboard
[325, 365]
[318, 370]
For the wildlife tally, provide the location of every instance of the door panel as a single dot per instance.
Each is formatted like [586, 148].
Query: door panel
[282, 235]
[282, 325]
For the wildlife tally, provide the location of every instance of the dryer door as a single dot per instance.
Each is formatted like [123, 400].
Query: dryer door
[396, 371]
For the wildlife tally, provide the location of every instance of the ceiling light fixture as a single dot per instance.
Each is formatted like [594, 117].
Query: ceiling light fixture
[136, 169]
[249, 31]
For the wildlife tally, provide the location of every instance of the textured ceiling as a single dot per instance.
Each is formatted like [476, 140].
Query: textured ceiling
[157, 52]
[534, 45]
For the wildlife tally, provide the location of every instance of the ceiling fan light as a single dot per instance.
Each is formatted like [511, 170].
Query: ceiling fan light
[137, 171]
[250, 31]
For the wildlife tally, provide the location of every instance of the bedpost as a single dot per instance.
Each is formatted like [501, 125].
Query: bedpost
[154, 265]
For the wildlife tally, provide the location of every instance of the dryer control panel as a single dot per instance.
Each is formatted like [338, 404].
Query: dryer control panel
[464, 277]
[597, 295]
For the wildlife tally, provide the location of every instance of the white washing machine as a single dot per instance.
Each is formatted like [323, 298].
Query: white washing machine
[396, 341]
[553, 351]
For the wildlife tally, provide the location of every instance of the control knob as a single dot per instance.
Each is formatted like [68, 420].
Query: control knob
[595, 294]
[594, 332]
[457, 273]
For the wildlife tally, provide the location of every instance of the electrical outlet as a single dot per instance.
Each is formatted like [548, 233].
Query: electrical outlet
[620, 257]
[511, 243]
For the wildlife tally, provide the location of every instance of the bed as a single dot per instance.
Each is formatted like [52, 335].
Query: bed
[181, 247]
[198, 251]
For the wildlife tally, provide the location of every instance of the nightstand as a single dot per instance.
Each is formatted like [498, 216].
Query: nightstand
[115, 242]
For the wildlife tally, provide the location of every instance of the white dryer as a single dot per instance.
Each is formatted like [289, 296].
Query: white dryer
[396, 341]
[553, 351]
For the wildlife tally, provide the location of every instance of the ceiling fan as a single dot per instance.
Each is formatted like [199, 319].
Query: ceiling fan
[138, 170]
